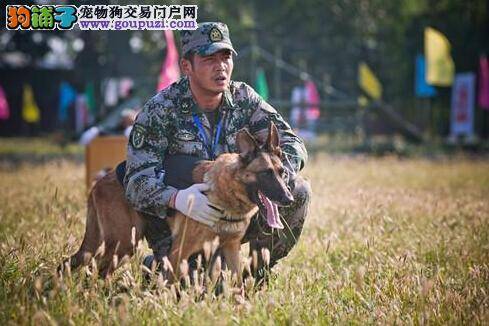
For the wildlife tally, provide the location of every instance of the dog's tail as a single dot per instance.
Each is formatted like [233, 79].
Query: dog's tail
[91, 242]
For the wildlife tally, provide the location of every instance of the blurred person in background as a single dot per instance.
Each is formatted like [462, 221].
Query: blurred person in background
[119, 121]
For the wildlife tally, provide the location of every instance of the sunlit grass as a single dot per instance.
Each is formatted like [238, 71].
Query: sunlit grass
[386, 241]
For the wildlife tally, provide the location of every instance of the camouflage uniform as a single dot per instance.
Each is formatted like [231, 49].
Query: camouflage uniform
[165, 127]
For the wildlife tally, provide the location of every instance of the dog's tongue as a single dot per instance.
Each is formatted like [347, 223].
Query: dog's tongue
[273, 219]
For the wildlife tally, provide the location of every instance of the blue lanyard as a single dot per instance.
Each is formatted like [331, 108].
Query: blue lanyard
[210, 148]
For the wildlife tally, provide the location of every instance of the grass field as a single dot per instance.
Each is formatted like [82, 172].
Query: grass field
[387, 240]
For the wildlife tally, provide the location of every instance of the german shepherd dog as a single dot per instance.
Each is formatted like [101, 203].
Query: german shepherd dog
[241, 184]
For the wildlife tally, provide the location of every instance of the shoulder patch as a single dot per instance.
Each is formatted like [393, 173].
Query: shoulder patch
[138, 136]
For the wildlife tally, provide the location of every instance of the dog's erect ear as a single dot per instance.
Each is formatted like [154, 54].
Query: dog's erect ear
[200, 169]
[246, 145]
[272, 144]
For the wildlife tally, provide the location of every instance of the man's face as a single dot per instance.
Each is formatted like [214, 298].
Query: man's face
[210, 73]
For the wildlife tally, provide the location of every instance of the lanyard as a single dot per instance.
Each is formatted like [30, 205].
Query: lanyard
[210, 148]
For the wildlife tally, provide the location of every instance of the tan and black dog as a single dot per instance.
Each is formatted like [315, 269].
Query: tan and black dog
[241, 184]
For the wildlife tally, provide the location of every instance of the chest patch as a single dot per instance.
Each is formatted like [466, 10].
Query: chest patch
[185, 135]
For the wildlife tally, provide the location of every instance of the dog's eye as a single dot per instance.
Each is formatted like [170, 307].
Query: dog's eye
[281, 172]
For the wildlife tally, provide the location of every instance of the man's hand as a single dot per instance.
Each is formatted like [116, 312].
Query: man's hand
[194, 204]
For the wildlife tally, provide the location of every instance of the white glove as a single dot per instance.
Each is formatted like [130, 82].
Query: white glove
[193, 203]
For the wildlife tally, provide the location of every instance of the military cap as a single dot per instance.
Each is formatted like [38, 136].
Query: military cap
[208, 38]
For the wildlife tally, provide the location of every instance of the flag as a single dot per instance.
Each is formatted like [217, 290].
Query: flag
[4, 108]
[30, 110]
[463, 99]
[440, 68]
[422, 89]
[484, 82]
[261, 84]
[368, 82]
[67, 96]
[90, 98]
[312, 100]
[170, 71]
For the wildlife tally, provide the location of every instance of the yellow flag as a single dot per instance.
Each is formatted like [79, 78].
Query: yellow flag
[439, 64]
[368, 82]
[30, 110]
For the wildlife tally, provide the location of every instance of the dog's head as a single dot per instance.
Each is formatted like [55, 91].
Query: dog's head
[262, 173]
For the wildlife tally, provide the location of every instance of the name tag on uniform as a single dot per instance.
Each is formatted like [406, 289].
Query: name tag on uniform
[185, 135]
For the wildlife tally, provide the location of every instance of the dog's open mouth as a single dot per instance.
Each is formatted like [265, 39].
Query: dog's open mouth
[271, 209]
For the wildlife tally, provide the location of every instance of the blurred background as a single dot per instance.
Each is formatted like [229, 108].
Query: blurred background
[347, 74]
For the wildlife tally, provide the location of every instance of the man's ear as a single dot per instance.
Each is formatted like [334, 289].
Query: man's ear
[246, 145]
[272, 144]
[185, 66]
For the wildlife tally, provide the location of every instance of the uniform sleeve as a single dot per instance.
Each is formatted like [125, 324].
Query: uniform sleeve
[146, 149]
[293, 148]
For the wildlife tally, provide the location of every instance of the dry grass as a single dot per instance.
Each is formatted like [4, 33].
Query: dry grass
[387, 241]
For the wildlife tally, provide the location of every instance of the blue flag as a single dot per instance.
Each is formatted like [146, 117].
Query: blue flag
[422, 89]
[67, 96]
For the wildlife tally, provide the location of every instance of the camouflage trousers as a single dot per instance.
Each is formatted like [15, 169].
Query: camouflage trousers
[259, 234]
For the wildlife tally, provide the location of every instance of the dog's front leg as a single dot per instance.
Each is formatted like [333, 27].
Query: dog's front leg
[188, 238]
[231, 254]
[176, 256]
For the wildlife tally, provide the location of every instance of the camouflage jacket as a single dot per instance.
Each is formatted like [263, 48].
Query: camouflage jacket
[166, 126]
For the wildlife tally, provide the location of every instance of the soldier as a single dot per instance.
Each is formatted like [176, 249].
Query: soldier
[197, 118]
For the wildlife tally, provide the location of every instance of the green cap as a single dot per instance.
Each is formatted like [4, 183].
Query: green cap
[207, 39]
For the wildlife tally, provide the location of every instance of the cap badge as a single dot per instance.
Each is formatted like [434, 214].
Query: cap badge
[215, 35]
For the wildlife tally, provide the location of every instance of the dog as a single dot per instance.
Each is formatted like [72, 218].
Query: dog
[240, 183]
